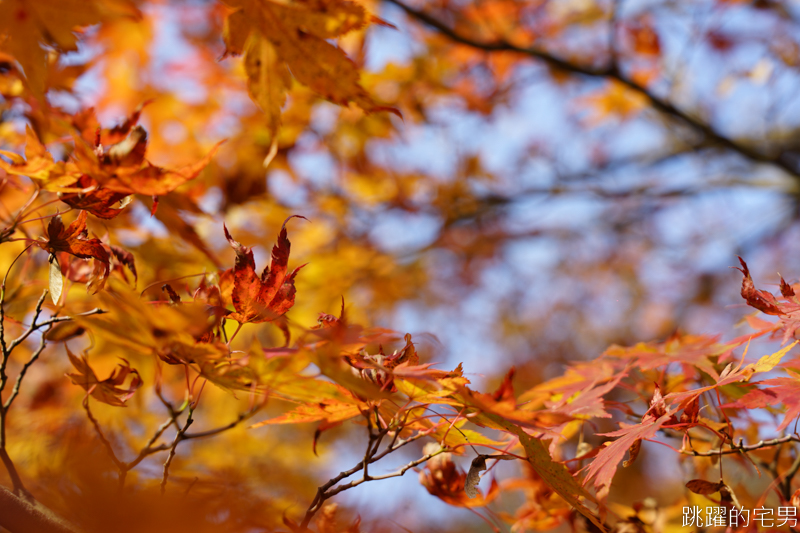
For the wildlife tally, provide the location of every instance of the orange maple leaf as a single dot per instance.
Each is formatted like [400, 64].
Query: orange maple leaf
[262, 299]
[38, 164]
[122, 167]
[108, 390]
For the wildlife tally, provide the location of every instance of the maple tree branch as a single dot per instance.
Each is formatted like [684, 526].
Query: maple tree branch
[743, 448]
[324, 492]
[16, 481]
[119, 464]
[20, 515]
[216, 431]
[780, 159]
[18, 383]
[788, 476]
[356, 482]
[173, 447]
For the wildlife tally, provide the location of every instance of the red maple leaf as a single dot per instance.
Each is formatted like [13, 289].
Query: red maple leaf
[97, 201]
[265, 298]
[604, 466]
[73, 240]
[784, 391]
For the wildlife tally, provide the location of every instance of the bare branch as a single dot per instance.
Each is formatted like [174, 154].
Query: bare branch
[171, 456]
[19, 515]
[34, 356]
[742, 448]
[324, 492]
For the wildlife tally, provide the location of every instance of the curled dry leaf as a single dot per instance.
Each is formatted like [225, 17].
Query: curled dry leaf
[633, 453]
[474, 476]
[761, 300]
[378, 368]
[701, 486]
[786, 289]
[110, 390]
[445, 480]
[122, 167]
[173, 296]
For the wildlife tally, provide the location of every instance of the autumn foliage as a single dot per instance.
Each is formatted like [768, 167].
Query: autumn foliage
[196, 300]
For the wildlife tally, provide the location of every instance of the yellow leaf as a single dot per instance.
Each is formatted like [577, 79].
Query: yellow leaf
[56, 280]
[29, 24]
[299, 37]
[768, 362]
[268, 79]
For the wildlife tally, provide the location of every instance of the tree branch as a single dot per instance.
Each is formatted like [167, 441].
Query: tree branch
[327, 490]
[742, 448]
[18, 515]
[781, 160]
[171, 456]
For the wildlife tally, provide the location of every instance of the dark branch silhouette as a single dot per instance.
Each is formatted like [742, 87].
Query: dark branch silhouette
[785, 160]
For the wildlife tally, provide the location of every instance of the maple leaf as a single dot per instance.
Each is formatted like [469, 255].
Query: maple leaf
[96, 200]
[262, 299]
[578, 393]
[268, 77]
[122, 167]
[692, 352]
[109, 390]
[788, 312]
[72, 240]
[776, 391]
[38, 164]
[761, 300]
[328, 410]
[29, 24]
[732, 375]
[604, 466]
[296, 36]
[553, 473]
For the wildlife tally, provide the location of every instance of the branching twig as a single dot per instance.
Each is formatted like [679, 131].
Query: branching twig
[329, 489]
[106, 444]
[740, 448]
[171, 456]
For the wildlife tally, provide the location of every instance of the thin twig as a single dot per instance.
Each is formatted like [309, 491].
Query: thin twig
[34, 356]
[739, 448]
[171, 456]
[110, 449]
[324, 492]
